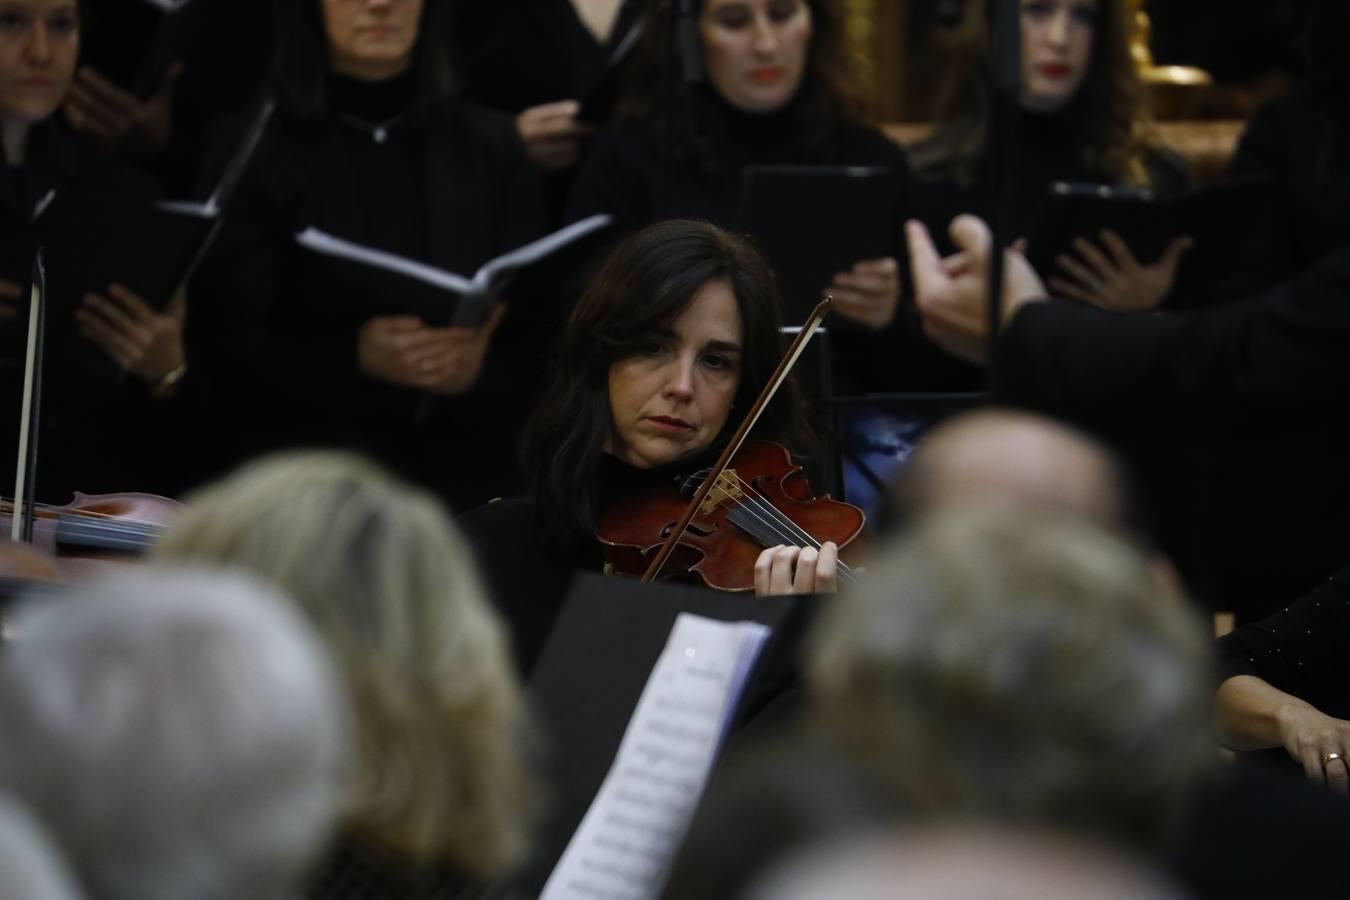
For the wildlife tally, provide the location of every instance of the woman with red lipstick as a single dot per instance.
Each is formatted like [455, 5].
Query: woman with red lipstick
[773, 88]
[665, 353]
[85, 400]
[371, 145]
[1082, 117]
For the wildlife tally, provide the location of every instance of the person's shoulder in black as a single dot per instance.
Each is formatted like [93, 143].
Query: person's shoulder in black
[527, 579]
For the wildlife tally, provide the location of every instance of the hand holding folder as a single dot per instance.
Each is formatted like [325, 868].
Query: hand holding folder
[405, 351]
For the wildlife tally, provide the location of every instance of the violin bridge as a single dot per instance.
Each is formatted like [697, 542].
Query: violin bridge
[727, 488]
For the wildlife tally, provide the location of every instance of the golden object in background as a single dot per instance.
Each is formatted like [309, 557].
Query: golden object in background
[1140, 37]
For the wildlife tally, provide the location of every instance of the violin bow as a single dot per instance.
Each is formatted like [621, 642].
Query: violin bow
[794, 352]
[21, 522]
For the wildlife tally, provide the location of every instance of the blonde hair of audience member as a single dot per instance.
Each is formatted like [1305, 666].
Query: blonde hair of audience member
[961, 863]
[1006, 664]
[31, 868]
[383, 575]
[181, 733]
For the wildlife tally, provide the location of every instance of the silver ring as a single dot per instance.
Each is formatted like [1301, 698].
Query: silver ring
[1329, 757]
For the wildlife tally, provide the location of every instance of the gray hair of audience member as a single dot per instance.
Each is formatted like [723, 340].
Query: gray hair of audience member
[438, 719]
[1013, 665]
[181, 733]
[1019, 458]
[961, 863]
[31, 868]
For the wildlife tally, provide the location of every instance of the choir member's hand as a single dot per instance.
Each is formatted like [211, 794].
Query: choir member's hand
[97, 107]
[146, 343]
[456, 369]
[1112, 278]
[868, 293]
[951, 293]
[1319, 743]
[552, 134]
[405, 351]
[9, 291]
[797, 570]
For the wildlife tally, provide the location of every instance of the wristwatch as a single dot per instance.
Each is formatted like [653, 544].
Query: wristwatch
[168, 381]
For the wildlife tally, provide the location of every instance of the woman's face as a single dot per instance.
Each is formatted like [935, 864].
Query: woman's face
[673, 396]
[1056, 51]
[39, 45]
[371, 39]
[754, 51]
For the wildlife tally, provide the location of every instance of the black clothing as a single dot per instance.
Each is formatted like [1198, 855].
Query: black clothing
[521, 53]
[100, 431]
[451, 189]
[528, 577]
[1277, 360]
[1258, 562]
[354, 871]
[626, 175]
[225, 62]
[1303, 650]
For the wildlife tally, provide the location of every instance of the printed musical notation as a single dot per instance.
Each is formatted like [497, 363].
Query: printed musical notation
[625, 843]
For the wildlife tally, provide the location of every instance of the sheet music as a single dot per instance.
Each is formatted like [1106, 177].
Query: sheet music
[624, 845]
[480, 283]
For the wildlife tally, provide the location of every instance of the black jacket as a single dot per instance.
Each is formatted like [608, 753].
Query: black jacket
[452, 190]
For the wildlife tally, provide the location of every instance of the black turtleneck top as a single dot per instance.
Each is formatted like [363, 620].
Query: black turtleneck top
[448, 186]
[626, 174]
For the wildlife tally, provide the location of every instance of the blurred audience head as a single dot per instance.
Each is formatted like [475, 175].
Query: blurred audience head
[1013, 457]
[1076, 64]
[628, 313]
[1002, 663]
[366, 40]
[180, 733]
[758, 57]
[383, 575]
[39, 46]
[31, 868]
[961, 863]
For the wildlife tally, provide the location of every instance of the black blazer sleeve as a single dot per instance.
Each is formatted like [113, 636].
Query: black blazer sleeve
[1275, 360]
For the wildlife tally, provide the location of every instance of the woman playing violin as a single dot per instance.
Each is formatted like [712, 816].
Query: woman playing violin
[661, 359]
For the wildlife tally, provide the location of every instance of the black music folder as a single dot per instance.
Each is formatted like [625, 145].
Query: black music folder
[815, 221]
[1220, 218]
[383, 284]
[133, 42]
[598, 661]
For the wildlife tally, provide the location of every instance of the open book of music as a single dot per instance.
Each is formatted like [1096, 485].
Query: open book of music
[628, 837]
[390, 284]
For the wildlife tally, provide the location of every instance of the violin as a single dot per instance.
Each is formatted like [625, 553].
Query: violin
[734, 513]
[92, 527]
[761, 499]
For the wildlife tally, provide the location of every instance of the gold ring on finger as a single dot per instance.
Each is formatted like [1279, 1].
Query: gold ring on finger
[1329, 757]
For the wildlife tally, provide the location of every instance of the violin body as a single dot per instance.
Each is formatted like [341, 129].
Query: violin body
[93, 527]
[762, 500]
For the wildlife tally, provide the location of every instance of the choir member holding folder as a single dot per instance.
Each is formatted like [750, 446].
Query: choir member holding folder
[719, 85]
[659, 362]
[113, 357]
[1082, 119]
[371, 149]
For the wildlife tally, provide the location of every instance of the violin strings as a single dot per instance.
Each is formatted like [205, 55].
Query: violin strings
[792, 533]
[7, 505]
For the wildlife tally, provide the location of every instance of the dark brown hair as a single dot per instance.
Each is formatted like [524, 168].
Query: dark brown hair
[300, 59]
[1104, 118]
[687, 118]
[646, 283]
